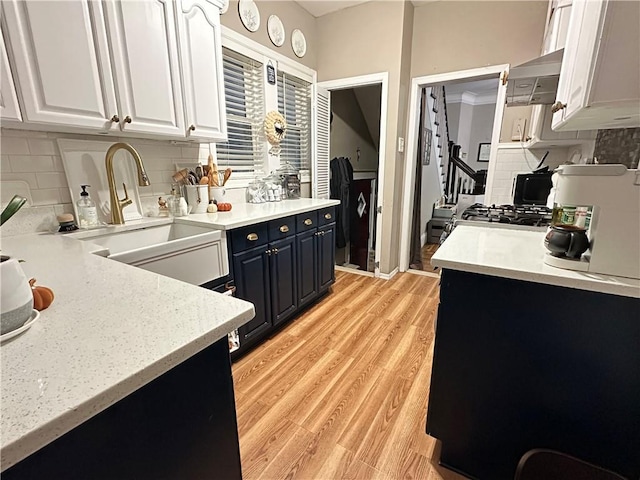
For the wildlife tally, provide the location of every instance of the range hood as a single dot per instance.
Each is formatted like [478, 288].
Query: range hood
[535, 82]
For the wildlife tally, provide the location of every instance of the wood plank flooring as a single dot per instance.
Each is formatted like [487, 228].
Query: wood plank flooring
[341, 393]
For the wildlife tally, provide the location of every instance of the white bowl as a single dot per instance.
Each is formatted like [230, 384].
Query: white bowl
[16, 298]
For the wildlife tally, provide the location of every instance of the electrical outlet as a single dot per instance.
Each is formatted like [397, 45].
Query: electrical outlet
[518, 130]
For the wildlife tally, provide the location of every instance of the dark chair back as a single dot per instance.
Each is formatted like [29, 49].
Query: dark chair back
[541, 464]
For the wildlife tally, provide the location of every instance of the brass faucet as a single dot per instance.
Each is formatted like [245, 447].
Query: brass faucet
[143, 180]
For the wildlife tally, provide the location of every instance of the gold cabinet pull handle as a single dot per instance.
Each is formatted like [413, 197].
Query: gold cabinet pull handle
[252, 237]
[127, 119]
[115, 119]
[556, 107]
[327, 216]
[284, 228]
[308, 222]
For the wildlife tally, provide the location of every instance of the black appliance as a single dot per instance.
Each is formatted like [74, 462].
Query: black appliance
[532, 188]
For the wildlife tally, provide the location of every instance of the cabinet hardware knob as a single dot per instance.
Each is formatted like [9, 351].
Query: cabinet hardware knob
[115, 119]
[327, 216]
[252, 237]
[275, 251]
[192, 128]
[308, 222]
[284, 228]
[556, 107]
[322, 233]
[268, 252]
[127, 119]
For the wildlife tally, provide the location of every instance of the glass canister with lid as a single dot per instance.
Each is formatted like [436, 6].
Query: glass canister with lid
[273, 184]
[291, 180]
[257, 191]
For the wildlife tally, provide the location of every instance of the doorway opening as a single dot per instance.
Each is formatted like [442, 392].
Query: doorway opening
[454, 129]
[356, 152]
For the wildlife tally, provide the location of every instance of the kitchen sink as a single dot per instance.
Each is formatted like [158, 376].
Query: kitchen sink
[189, 253]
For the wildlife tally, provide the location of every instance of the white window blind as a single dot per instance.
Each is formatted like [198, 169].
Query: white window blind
[294, 102]
[244, 96]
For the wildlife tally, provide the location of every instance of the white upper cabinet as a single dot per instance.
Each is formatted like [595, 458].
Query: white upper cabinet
[143, 43]
[200, 53]
[61, 62]
[599, 83]
[9, 108]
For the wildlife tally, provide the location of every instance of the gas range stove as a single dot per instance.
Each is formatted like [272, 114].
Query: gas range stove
[523, 215]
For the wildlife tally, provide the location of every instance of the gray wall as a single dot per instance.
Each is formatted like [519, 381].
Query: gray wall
[349, 132]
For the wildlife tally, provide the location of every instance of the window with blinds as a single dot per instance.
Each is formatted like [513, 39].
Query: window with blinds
[294, 102]
[244, 95]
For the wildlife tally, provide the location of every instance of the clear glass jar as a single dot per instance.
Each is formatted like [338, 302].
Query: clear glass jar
[273, 184]
[257, 192]
[291, 180]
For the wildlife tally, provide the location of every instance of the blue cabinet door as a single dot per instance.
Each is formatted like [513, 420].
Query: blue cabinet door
[282, 266]
[307, 255]
[326, 256]
[251, 269]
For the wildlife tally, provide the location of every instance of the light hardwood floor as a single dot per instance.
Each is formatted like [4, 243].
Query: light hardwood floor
[341, 393]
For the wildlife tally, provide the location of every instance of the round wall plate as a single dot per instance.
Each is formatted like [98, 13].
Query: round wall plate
[275, 28]
[249, 15]
[298, 43]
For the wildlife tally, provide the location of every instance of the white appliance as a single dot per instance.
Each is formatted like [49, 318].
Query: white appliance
[613, 193]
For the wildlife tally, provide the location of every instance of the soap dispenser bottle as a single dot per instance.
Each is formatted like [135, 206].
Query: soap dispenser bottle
[87, 212]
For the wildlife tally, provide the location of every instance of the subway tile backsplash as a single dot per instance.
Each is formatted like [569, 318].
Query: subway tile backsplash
[34, 158]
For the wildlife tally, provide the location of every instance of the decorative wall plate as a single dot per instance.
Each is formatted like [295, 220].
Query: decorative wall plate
[225, 7]
[276, 30]
[299, 43]
[249, 14]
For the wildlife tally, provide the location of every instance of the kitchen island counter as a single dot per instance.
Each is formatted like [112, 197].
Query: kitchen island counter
[519, 254]
[111, 329]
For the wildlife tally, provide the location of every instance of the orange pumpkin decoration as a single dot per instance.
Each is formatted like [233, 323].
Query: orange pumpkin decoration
[42, 296]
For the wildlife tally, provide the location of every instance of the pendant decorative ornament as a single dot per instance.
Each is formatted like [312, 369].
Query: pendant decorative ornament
[275, 129]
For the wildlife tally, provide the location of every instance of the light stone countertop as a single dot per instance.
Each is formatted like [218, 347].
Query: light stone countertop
[244, 214]
[518, 254]
[111, 329]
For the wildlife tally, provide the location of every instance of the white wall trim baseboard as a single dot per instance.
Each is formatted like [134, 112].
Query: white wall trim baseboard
[423, 273]
[388, 276]
[355, 271]
[423, 239]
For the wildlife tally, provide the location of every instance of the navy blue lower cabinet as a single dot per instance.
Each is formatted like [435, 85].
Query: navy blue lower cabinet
[251, 270]
[306, 244]
[533, 366]
[326, 256]
[181, 425]
[282, 267]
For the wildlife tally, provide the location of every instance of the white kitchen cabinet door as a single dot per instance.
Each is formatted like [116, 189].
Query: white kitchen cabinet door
[9, 108]
[61, 62]
[599, 84]
[142, 37]
[201, 60]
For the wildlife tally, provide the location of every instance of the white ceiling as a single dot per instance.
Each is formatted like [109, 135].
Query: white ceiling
[478, 92]
[318, 8]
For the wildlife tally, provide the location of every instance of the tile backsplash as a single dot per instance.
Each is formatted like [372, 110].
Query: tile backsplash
[620, 145]
[34, 158]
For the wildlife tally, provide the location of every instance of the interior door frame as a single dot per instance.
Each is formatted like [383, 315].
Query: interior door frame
[411, 150]
[381, 78]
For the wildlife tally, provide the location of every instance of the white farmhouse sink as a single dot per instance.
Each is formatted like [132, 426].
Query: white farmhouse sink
[189, 253]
